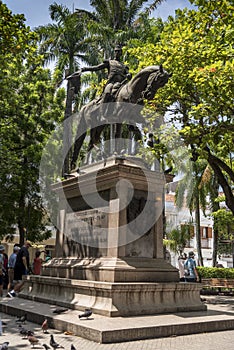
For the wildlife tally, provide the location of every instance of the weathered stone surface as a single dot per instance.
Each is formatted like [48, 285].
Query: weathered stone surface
[106, 259]
[114, 299]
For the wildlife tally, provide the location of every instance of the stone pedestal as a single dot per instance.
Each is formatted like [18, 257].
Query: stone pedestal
[109, 245]
[111, 221]
[114, 299]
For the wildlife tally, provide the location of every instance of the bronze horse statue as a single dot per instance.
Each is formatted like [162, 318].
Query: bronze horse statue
[95, 115]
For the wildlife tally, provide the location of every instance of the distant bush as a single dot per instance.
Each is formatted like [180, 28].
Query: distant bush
[215, 272]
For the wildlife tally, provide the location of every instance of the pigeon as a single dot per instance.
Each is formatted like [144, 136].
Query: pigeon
[21, 319]
[4, 346]
[44, 326]
[80, 172]
[24, 332]
[46, 346]
[73, 347]
[59, 310]
[33, 340]
[86, 314]
[54, 344]
[68, 176]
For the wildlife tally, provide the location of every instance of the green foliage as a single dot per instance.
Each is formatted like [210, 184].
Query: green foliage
[15, 36]
[29, 110]
[197, 47]
[178, 238]
[116, 21]
[215, 272]
[225, 223]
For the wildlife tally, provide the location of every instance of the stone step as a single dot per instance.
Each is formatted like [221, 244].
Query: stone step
[101, 329]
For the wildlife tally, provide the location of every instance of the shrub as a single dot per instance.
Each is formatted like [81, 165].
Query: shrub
[215, 272]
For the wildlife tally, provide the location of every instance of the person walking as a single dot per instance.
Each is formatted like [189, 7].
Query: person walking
[21, 268]
[5, 269]
[37, 263]
[11, 265]
[181, 260]
[191, 274]
[2, 248]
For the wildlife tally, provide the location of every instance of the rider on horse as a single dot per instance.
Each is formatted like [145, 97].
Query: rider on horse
[118, 74]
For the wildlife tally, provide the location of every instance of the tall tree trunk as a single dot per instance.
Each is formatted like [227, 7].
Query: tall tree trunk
[198, 229]
[67, 130]
[215, 244]
[21, 206]
[21, 233]
[21, 220]
[215, 207]
[197, 216]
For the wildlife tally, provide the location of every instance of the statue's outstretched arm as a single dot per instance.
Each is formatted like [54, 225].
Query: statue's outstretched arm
[95, 68]
[89, 69]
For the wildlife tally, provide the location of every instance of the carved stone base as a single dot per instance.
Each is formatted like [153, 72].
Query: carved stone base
[114, 299]
[125, 269]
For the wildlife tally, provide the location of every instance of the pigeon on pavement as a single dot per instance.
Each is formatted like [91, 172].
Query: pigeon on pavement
[87, 313]
[59, 310]
[54, 344]
[21, 319]
[24, 332]
[33, 340]
[44, 326]
[46, 346]
[73, 347]
[4, 346]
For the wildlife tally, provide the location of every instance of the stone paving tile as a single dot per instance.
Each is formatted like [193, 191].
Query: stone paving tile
[208, 341]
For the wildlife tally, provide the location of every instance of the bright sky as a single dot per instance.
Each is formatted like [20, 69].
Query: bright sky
[36, 12]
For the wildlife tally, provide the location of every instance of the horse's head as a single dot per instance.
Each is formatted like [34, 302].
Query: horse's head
[156, 79]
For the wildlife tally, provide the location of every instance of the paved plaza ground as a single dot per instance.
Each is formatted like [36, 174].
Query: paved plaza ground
[207, 341]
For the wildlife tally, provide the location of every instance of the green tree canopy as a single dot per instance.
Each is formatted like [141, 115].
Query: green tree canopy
[112, 21]
[197, 47]
[29, 110]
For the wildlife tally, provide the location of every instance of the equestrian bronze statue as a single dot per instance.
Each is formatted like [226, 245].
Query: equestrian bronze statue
[143, 86]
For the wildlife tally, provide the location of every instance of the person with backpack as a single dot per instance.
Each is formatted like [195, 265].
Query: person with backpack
[2, 249]
[11, 265]
[190, 267]
[181, 260]
[21, 268]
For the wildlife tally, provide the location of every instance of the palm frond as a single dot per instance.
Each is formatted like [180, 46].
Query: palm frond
[152, 7]
[58, 13]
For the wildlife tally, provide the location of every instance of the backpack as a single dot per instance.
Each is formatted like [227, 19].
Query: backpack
[186, 268]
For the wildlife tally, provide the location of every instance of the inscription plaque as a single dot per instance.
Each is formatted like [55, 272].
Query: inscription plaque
[88, 227]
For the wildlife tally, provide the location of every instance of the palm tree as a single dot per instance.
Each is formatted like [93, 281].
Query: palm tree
[64, 43]
[210, 183]
[116, 20]
[189, 188]
[177, 239]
